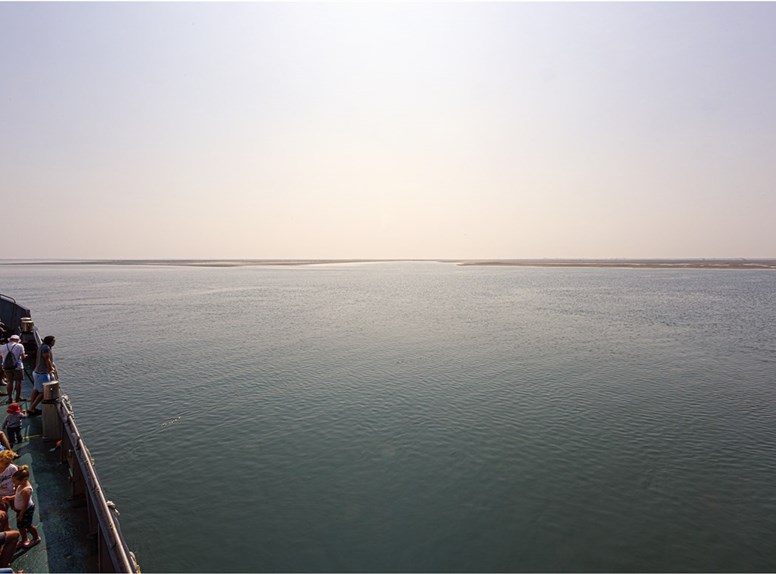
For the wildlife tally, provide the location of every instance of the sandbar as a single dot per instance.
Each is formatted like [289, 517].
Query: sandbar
[632, 263]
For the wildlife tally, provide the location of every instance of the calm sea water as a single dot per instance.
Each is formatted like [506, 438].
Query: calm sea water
[422, 416]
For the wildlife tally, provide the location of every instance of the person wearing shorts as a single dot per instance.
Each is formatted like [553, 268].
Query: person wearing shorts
[24, 506]
[42, 373]
[13, 378]
[25, 522]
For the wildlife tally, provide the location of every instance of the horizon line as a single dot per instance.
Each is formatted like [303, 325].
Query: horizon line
[608, 263]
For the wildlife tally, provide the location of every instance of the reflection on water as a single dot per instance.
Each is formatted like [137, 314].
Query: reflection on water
[424, 416]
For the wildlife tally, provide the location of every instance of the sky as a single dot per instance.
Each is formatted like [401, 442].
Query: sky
[463, 130]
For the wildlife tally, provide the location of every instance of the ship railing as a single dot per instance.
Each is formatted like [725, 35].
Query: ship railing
[113, 554]
[102, 513]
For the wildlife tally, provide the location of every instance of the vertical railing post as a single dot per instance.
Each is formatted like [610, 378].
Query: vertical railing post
[51, 423]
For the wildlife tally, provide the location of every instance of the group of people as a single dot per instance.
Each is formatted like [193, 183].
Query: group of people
[15, 487]
[12, 367]
[16, 493]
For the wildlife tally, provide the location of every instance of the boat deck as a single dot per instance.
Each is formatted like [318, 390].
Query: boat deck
[58, 517]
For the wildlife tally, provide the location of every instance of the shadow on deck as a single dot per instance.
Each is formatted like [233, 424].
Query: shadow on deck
[61, 520]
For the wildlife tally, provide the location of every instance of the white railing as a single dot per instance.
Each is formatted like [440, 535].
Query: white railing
[105, 513]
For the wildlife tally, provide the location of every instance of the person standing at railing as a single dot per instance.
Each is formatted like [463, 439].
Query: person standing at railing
[43, 372]
[13, 354]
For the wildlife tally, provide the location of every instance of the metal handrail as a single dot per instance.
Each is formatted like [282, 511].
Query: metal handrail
[124, 560]
[121, 557]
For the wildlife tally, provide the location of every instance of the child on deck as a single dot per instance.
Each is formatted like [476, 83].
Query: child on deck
[13, 423]
[24, 506]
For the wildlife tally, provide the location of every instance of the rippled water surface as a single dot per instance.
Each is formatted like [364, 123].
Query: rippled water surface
[424, 416]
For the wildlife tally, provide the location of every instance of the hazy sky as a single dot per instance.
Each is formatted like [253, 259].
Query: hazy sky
[397, 130]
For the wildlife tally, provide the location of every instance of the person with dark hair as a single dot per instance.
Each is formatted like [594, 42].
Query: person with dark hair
[42, 373]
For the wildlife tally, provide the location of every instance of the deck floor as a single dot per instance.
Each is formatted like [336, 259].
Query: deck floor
[61, 522]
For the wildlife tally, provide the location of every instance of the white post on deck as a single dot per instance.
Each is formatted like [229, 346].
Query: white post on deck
[52, 427]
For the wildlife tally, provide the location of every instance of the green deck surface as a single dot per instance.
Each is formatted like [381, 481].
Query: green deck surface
[61, 522]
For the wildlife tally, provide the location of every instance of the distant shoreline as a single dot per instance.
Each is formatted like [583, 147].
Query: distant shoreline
[591, 263]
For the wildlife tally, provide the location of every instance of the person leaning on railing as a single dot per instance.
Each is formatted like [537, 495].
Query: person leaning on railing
[42, 373]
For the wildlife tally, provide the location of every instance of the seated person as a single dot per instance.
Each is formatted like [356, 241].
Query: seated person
[9, 539]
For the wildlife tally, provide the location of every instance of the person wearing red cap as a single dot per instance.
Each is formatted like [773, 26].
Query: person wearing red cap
[12, 425]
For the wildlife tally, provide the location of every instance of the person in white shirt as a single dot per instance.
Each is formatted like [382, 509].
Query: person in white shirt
[13, 377]
[7, 468]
